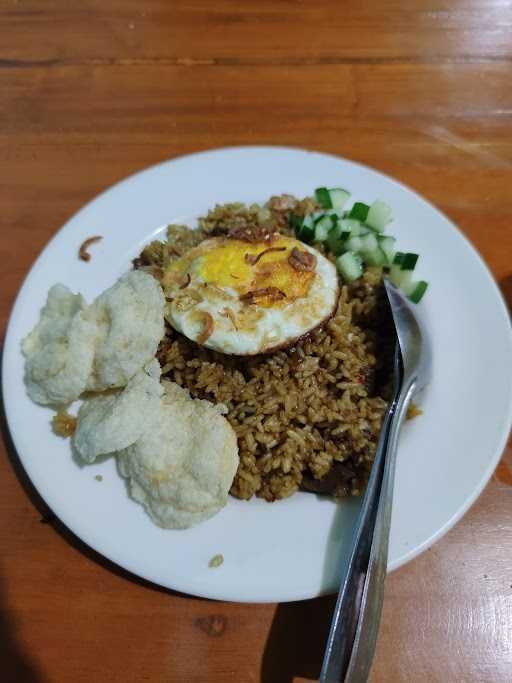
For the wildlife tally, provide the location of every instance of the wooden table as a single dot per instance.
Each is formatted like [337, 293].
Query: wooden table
[91, 91]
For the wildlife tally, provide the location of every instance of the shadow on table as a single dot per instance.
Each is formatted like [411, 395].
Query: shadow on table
[16, 666]
[298, 635]
[48, 517]
[296, 642]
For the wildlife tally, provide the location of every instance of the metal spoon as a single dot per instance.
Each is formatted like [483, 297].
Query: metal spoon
[355, 623]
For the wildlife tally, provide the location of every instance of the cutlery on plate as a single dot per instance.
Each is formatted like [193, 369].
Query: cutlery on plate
[355, 623]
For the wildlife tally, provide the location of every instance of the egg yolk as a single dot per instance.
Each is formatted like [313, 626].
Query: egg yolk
[229, 265]
[244, 267]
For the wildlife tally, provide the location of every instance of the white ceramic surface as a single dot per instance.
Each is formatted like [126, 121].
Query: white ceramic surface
[292, 549]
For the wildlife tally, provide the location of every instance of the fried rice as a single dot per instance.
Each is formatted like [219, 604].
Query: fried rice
[306, 417]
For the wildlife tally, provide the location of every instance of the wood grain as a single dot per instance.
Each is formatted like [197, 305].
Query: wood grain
[91, 92]
[256, 31]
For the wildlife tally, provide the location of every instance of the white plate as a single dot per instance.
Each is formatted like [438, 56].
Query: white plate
[288, 550]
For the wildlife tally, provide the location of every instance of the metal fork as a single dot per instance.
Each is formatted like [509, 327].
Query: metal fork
[355, 623]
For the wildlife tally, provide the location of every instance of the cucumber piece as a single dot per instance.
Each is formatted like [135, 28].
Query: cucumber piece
[406, 280]
[409, 261]
[369, 242]
[335, 214]
[359, 211]
[387, 244]
[339, 197]
[396, 274]
[295, 222]
[350, 266]
[303, 227]
[375, 258]
[336, 230]
[416, 290]
[354, 243]
[370, 250]
[336, 241]
[351, 225]
[379, 215]
[322, 228]
[306, 232]
[315, 217]
[323, 197]
[306, 235]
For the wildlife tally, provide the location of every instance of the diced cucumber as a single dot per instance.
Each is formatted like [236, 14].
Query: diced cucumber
[375, 258]
[415, 290]
[370, 251]
[322, 228]
[406, 280]
[379, 215]
[335, 198]
[396, 273]
[355, 238]
[321, 232]
[387, 244]
[309, 220]
[336, 240]
[323, 197]
[351, 225]
[314, 217]
[401, 274]
[369, 242]
[336, 230]
[409, 261]
[339, 197]
[402, 269]
[336, 214]
[306, 235]
[328, 215]
[306, 232]
[350, 266]
[354, 243]
[359, 211]
[295, 222]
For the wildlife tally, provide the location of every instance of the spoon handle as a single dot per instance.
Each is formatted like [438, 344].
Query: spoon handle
[359, 603]
[346, 613]
[373, 593]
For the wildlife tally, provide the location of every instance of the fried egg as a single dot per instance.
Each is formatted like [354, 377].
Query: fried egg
[245, 298]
